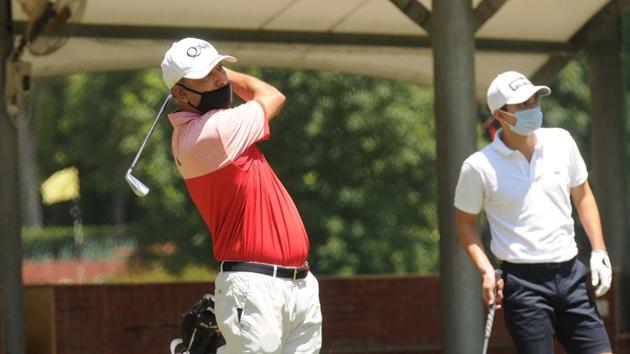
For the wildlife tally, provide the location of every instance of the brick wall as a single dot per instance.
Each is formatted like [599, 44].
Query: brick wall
[393, 314]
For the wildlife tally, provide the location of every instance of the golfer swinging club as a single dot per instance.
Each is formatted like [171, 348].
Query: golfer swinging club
[525, 181]
[266, 299]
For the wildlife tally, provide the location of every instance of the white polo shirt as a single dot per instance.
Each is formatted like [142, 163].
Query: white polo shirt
[528, 204]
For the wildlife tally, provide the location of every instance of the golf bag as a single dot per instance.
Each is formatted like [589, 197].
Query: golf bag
[199, 333]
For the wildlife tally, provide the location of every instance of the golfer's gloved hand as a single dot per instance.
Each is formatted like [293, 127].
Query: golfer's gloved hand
[601, 271]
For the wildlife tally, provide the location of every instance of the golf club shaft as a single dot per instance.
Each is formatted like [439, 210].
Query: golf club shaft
[485, 345]
[490, 319]
[157, 118]
[489, 322]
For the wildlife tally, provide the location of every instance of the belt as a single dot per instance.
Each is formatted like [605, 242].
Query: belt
[266, 269]
[549, 265]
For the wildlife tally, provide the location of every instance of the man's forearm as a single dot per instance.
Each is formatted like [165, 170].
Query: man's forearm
[250, 88]
[471, 242]
[246, 86]
[469, 239]
[588, 212]
[589, 217]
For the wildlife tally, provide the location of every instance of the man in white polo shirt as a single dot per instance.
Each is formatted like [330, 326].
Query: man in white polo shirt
[266, 298]
[525, 181]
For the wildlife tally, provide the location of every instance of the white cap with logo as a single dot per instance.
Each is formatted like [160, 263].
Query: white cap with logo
[512, 87]
[190, 58]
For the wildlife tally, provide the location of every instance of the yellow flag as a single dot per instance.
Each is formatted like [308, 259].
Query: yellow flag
[61, 186]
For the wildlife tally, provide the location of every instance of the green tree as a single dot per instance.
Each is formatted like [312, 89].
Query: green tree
[97, 122]
[356, 154]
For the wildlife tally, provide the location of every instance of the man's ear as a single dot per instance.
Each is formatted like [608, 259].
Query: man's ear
[498, 115]
[179, 94]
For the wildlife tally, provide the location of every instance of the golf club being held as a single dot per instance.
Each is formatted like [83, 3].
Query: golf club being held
[138, 187]
[491, 310]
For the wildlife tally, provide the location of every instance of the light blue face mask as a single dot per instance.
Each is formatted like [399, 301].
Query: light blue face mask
[527, 121]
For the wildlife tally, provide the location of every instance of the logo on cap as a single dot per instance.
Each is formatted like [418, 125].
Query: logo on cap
[195, 51]
[515, 84]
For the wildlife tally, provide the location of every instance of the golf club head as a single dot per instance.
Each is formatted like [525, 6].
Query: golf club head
[177, 346]
[136, 186]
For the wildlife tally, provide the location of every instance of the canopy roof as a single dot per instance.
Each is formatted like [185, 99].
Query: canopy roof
[371, 37]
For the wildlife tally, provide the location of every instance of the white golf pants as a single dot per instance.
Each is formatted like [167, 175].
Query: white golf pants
[259, 313]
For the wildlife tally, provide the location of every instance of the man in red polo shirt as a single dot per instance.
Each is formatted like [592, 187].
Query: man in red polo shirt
[267, 301]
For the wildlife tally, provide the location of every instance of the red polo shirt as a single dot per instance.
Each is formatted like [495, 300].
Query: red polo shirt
[249, 212]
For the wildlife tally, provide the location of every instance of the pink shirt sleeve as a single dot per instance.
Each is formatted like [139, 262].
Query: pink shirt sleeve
[241, 127]
[214, 140]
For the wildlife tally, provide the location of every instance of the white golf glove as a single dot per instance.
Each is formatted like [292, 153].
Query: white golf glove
[601, 272]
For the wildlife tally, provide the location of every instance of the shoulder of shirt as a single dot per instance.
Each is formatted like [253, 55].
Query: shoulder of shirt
[480, 158]
[245, 107]
[486, 159]
[555, 136]
[227, 112]
[553, 132]
[485, 153]
[248, 104]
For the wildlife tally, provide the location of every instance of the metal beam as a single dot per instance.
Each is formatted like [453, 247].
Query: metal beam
[547, 73]
[10, 222]
[305, 38]
[520, 46]
[416, 12]
[485, 10]
[456, 126]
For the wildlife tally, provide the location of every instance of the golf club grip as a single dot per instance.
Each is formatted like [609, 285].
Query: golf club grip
[157, 118]
[490, 320]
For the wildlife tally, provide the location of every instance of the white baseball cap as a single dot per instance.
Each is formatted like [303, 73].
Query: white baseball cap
[512, 87]
[191, 58]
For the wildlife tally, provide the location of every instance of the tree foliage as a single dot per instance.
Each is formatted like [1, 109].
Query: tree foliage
[355, 153]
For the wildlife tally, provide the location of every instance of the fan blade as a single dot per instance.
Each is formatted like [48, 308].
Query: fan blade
[61, 19]
[40, 22]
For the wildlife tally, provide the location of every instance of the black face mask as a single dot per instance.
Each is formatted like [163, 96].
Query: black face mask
[220, 98]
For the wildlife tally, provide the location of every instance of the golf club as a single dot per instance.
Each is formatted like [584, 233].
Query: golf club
[491, 310]
[138, 187]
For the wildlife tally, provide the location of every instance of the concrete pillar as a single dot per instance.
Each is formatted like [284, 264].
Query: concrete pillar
[608, 142]
[453, 45]
[10, 224]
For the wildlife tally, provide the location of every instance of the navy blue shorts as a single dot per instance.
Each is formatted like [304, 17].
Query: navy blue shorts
[546, 300]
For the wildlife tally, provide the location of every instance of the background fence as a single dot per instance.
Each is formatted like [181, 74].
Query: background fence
[365, 314]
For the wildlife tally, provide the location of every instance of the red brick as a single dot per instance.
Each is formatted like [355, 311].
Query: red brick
[398, 314]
